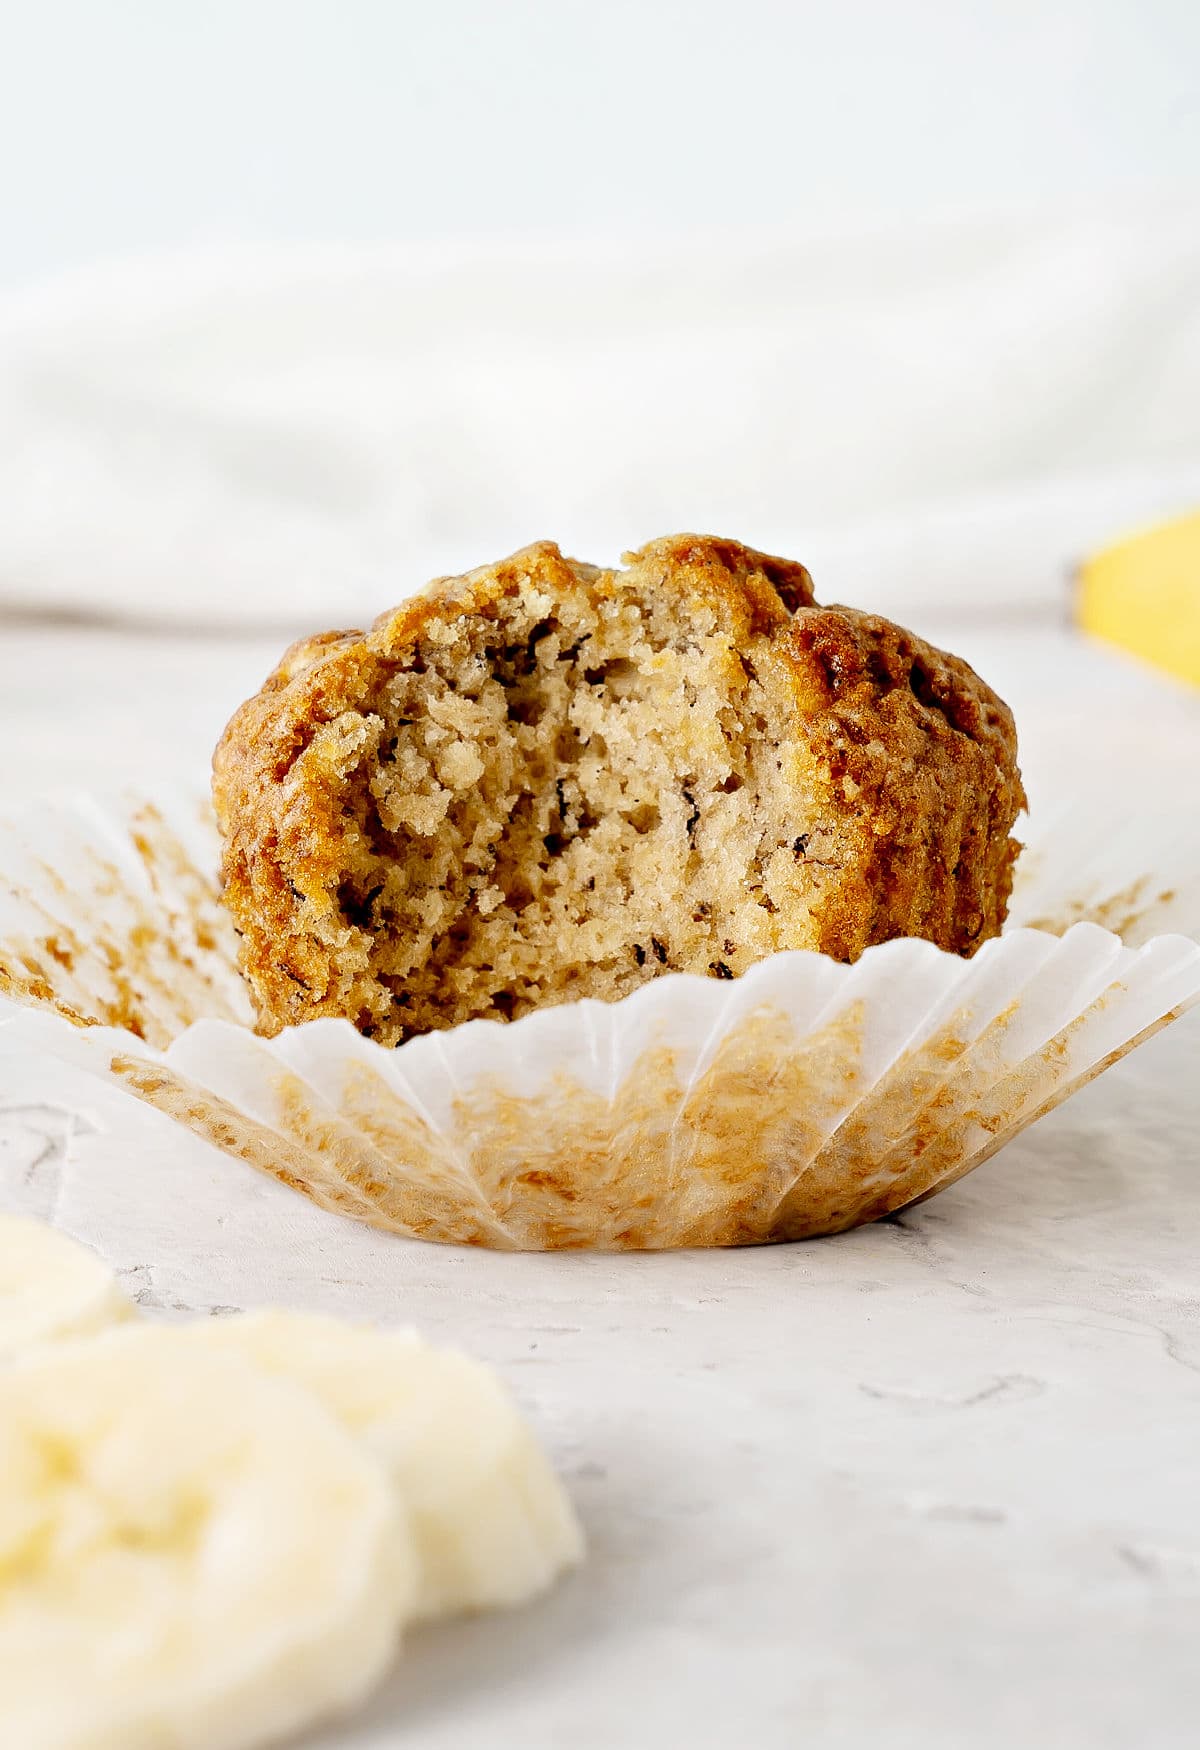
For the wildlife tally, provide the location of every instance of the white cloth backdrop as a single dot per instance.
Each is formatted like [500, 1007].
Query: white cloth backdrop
[937, 419]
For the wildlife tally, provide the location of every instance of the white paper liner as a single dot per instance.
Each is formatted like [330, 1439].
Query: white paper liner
[801, 1099]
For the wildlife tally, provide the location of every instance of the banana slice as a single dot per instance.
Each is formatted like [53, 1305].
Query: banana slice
[51, 1287]
[193, 1556]
[491, 1523]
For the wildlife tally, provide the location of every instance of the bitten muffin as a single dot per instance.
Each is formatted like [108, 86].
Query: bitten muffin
[544, 781]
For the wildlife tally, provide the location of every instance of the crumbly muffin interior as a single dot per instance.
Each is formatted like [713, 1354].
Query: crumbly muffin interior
[551, 800]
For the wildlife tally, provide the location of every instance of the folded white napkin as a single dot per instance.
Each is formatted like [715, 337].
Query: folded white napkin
[940, 420]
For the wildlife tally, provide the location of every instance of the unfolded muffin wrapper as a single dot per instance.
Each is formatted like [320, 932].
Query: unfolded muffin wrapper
[803, 1098]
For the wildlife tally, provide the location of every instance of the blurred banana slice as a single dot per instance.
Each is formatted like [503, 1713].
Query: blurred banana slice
[51, 1287]
[212, 1534]
[491, 1523]
[192, 1555]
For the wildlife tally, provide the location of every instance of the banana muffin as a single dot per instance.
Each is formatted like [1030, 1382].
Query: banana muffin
[545, 780]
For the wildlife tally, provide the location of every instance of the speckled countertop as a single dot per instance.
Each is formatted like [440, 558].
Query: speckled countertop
[931, 1484]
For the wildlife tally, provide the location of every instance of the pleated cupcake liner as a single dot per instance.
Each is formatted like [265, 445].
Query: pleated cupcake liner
[804, 1098]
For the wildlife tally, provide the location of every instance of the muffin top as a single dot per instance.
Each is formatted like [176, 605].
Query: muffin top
[545, 780]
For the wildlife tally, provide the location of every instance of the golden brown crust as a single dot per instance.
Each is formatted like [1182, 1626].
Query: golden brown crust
[916, 756]
[929, 755]
[741, 577]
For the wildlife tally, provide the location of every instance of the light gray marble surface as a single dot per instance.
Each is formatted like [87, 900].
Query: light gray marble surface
[933, 1483]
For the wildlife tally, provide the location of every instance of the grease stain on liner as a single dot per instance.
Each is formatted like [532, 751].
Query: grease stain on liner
[805, 1098]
